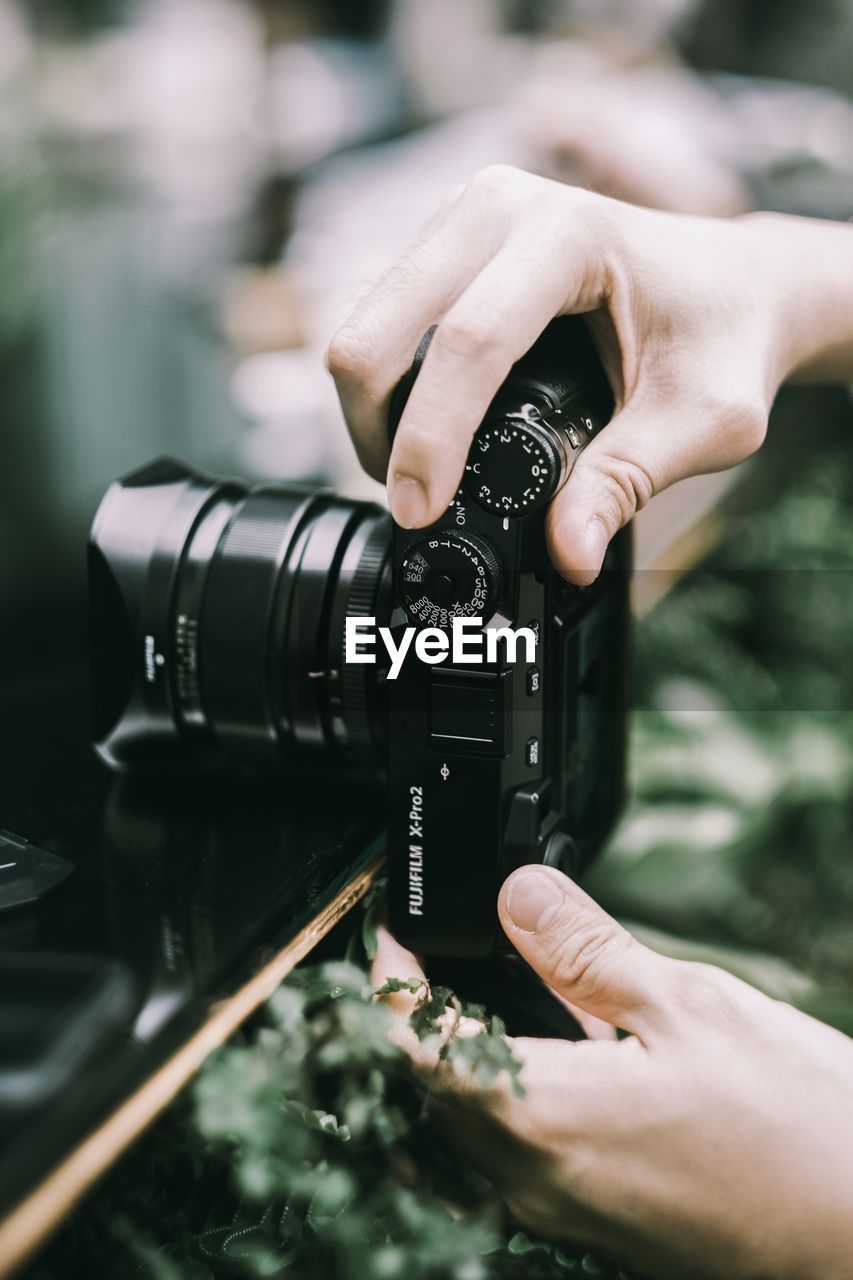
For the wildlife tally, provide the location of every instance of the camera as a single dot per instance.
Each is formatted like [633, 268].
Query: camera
[236, 622]
[513, 757]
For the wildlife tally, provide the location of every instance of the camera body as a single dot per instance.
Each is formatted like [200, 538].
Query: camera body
[492, 764]
[220, 628]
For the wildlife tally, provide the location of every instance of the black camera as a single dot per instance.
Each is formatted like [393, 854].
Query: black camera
[515, 753]
[229, 620]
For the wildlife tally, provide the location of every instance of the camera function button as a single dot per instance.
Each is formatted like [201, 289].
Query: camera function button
[532, 754]
[533, 681]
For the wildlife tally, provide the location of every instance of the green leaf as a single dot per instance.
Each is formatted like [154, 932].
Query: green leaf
[430, 1009]
[392, 985]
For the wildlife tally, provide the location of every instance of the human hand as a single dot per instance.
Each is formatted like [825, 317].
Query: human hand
[714, 1141]
[697, 321]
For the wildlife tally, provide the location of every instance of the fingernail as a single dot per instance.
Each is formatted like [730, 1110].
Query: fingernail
[408, 501]
[532, 899]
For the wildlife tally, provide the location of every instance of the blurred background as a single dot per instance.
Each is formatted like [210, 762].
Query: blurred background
[194, 192]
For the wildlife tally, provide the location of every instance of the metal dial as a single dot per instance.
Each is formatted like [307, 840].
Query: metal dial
[513, 467]
[449, 575]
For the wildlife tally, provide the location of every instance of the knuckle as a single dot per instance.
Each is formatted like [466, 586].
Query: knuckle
[581, 955]
[496, 178]
[740, 425]
[596, 212]
[707, 993]
[628, 486]
[548, 1204]
[593, 216]
[470, 334]
[750, 416]
[417, 444]
[526, 1207]
[411, 273]
[453, 196]
[349, 354]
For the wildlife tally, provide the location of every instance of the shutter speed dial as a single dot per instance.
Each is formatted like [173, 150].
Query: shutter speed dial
[450, 575]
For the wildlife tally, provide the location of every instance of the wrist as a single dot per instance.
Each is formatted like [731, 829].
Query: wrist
[803, 269]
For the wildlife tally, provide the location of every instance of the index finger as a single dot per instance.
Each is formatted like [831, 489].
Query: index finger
[394, 961]
[374, 348]
[549, 265]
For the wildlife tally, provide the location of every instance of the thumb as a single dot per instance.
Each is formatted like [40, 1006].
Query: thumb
[614, 477]
[582, 953]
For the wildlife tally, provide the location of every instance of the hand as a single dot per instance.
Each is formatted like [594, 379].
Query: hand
[714, 1141]
[697, 321]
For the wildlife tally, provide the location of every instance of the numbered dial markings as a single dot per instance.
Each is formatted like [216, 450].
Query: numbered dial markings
[512, 468]
[449, 575]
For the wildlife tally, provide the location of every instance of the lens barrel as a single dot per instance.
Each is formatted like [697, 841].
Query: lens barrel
[218, 618]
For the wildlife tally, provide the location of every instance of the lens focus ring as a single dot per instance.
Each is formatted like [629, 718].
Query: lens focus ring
[368, 596]
[236, 616]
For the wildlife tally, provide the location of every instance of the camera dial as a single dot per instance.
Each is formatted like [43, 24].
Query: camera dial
[450, 575]
[518, 463]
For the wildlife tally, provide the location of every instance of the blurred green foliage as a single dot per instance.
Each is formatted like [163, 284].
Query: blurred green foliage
[737, 844]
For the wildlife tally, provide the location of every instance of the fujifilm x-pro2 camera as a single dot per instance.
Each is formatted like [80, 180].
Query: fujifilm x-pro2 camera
[280, 624]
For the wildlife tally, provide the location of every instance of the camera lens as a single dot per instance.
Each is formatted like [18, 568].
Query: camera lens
[218, 616]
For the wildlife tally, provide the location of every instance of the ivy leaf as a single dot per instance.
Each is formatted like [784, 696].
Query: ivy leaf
[486, 1056]
[520, 1244]
[431, 1007]
[392, 985]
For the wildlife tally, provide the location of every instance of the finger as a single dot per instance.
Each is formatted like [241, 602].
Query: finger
[445, 205]
[614, 477]
[394, 961]
[490, 326]
[583, 953]
[430, 1070]
[375, 347]
[593, 1028]
[642, 451]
